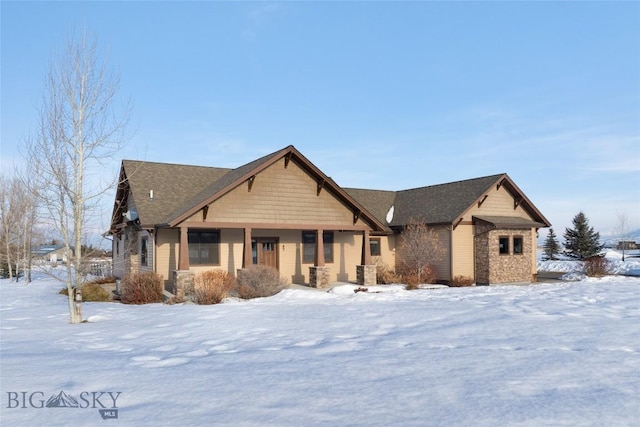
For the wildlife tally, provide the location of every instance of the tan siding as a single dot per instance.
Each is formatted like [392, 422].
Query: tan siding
[279, 195]
[442, 267]
[387, 251]
[167, 243]
[500, 202]
[462, 259]
[534, 254]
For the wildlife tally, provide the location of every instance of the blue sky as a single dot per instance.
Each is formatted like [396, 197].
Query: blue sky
[386, 95]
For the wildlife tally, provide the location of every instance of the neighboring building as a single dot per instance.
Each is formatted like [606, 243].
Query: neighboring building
[50, 253]
[627, 245]
[281, 210]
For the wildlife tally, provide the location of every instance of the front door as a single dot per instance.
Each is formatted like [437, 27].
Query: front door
[265, 251]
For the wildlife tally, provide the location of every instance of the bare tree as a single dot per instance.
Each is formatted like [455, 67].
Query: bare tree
[17, 212]
[78, 130]
[420, 250]
[6, 227]
[622, 231]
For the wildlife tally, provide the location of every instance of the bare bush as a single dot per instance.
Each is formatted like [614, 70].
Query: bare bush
[596, 266]
[260, 281]
[461, 281]
[385, 275]
[211, 287]
[142, 288]
[420, 249]
[413, 280]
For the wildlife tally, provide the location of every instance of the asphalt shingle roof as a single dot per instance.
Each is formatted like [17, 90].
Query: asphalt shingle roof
[172, 184]
[179, 189]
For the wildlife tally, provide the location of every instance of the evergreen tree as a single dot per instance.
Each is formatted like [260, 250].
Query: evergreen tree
[551, 246]
[582, 241]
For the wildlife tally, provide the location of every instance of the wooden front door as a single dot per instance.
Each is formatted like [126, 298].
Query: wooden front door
[265, 251]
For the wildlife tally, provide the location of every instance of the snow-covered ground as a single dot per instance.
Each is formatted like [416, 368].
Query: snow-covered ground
[574, 269]
[564, 354]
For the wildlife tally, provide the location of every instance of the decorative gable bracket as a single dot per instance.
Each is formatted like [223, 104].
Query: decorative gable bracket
[356, 216]
[516, 202]
[457, 223]
[320, 186]
[250, 182]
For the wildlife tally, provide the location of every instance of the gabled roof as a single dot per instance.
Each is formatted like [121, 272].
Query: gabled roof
[172, 186]
[442, 203]
[509, 221]
[181, 190]
[240, 175]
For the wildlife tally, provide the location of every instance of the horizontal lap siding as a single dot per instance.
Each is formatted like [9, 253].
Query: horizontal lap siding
[463, 263]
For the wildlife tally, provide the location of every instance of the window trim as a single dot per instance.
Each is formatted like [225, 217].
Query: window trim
[507, 249]
[521, 238]
[144, 251]
[307, 251]
[378, 244]
[215, 245]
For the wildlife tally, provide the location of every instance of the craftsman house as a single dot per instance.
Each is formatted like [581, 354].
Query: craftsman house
[281, 210]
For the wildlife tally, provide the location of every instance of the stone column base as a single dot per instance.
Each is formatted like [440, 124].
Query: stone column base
[319, 277]
[182, 284]
[366, 275]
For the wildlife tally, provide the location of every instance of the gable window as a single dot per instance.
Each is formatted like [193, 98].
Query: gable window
[144, 251]
[204, 247]
[374, 247]
[309, 246]
[504, 245]
[517, 245]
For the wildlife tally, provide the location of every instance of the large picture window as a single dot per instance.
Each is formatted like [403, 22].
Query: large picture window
[204, 247]
[309, 246]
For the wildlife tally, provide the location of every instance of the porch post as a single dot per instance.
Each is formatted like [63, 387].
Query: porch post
[366, 248]
[319, 248]
[183, 258]
[247, 257]
[318, 273]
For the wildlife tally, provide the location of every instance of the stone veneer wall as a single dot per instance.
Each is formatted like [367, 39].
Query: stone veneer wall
[482, 250]
[182, 283]
[366, 275]
[319, 277]
[493, 267]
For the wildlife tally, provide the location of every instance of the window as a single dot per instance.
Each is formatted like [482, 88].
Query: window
[309, 246]
[504, 245]
[204, 247]
[517, 245]
[374, 247]
[144, 254]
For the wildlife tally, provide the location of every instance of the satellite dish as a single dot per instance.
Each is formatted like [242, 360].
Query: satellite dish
[389, 217]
